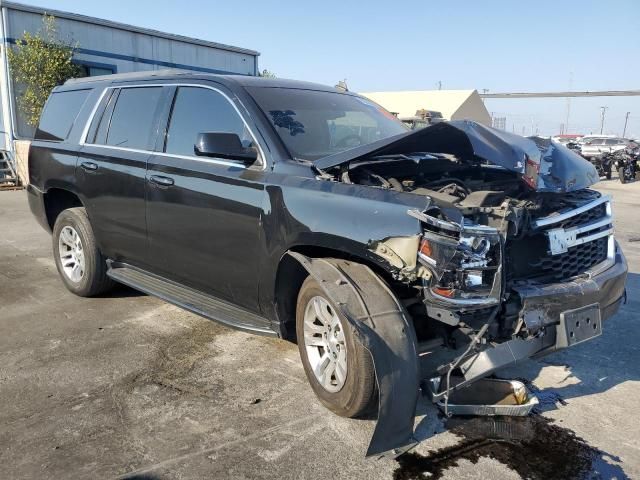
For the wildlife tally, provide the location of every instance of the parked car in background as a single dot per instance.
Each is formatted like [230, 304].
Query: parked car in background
[594, 147]
[304, 212]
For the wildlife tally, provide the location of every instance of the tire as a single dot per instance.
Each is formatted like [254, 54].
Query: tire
[608, 174]
[357, 395]
[85, 270]
[622, 176]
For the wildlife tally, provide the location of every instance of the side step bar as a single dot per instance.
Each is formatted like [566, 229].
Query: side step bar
[192, 300]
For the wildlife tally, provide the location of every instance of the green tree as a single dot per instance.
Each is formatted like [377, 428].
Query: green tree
[267, 74]
[39, 62]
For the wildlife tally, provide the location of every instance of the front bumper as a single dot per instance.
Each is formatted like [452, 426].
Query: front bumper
[606, 289]
[548, 304]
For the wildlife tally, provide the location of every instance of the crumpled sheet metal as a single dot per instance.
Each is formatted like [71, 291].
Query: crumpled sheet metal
[379, 322]
[555, 167]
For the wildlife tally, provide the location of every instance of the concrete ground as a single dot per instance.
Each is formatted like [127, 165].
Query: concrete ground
[128, 386]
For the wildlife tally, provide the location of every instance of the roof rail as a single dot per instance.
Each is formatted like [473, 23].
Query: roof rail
[132, 75]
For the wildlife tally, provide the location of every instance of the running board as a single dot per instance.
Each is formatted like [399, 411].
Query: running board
[192, 300]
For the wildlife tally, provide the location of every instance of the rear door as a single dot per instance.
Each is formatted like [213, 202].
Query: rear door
[112, 167]
[203, 214]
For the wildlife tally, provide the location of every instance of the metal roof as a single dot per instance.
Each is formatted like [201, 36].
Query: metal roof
[124, 26]
[453, 104]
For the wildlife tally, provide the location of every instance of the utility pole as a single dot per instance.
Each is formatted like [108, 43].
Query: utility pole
[566, 123]
[626, 119]
[604, 109]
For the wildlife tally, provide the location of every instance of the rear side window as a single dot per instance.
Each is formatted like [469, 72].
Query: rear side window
[59, 115]
[132, 123]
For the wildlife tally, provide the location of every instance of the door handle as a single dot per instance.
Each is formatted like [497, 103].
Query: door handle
[89, 166]
[161, 181]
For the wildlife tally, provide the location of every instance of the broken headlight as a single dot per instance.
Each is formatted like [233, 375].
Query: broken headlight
[465, 262]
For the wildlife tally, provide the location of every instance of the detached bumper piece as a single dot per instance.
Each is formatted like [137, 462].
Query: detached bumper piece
[489, 397]
[380, 323]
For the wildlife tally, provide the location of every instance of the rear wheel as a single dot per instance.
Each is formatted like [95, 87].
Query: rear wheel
[339, 369]
[79, 262]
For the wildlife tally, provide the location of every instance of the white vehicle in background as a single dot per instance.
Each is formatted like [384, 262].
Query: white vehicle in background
[596, 146]
[592, 136]
[565, 139]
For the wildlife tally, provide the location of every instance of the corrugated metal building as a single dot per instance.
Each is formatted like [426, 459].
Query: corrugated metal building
[453, 104]
[106, 47]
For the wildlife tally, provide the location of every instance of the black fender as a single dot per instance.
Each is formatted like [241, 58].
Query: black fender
[381, 324]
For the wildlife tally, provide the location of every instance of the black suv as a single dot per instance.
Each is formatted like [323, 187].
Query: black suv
[296, 210]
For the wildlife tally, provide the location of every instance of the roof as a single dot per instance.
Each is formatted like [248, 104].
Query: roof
[124, 26]
[168, 74]
[453, 104]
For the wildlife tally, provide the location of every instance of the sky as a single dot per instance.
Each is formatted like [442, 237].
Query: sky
[376, 45]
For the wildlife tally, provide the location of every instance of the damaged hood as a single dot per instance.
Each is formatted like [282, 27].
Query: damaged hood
[545, 166]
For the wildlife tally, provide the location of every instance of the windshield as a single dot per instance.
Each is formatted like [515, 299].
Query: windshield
[314, 124]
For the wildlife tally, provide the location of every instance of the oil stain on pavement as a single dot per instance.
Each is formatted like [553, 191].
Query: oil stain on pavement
[533, 446]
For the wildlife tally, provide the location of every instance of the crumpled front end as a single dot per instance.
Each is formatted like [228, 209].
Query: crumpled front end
[513, 256]
[552, 286]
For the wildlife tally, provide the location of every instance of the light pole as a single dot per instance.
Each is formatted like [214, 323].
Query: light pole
[604, 109]
[626, 119]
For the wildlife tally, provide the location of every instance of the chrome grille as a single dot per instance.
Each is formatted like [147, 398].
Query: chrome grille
[565, 244]
[575, 261]
[596, 213]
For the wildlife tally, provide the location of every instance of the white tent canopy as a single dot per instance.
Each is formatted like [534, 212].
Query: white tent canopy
[453, 104]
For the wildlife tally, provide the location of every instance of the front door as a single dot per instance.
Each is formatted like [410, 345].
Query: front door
[203, 214]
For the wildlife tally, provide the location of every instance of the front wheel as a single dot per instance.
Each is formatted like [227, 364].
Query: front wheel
[80, 264]
[622, 175]
[338, 367]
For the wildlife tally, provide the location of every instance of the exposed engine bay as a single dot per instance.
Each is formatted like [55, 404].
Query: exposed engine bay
[483, 194]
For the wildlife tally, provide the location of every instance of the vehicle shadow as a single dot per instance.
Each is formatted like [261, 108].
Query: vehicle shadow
[122, 291]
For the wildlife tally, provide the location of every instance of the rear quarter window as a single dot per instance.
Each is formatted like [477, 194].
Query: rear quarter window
[59, 114]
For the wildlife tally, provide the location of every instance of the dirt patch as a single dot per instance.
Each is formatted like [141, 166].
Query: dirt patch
[177, 356]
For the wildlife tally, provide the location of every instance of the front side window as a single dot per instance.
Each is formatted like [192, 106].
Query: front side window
[133, 120]
[314, 124]
[199, 110]
[59, 114]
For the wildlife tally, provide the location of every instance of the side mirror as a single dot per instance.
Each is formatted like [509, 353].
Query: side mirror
[224, 145]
